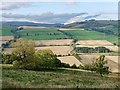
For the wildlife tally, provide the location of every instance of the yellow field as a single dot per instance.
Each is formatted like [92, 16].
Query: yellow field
[69, 60]
[31, 27]
[6, 38]
[113, 61]
[64, 29]
[53, 42]
[58, 50]
[94, 42]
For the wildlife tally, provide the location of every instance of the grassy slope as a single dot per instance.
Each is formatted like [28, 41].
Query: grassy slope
[91, 35]
[60, 78]
[6, 30]
[43, 34]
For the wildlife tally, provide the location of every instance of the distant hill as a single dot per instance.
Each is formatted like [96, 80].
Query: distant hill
[22, 23]
[109, 27]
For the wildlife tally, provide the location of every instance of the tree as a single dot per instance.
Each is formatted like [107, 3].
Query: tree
[7, 58]
[46, 59]
[23, 55]
[99, 65]
[74, 66]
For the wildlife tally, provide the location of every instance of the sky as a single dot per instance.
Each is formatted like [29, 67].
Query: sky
[58, 12]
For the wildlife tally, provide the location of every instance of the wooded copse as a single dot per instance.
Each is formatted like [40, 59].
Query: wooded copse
[92, 50]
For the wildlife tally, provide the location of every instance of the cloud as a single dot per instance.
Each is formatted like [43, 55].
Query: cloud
[92, 16]
[81, 18]
[74, 19]
[48, 17]
[13, 5]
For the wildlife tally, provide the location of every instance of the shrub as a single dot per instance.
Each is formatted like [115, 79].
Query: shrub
[99, 65]
[7, 58]
[24, 53]
[87, 67]
[74, 66]
[46, 59]
[65, 65]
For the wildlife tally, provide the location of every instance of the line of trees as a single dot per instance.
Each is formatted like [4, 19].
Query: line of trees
[91, 50]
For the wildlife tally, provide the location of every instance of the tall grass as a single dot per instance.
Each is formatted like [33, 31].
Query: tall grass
[60, 78]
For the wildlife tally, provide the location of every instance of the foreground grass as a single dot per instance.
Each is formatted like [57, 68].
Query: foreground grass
[18, 78]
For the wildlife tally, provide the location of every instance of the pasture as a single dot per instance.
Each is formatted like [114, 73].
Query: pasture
[60, 78]
[6, 30]
[91, 35]
[41, 34]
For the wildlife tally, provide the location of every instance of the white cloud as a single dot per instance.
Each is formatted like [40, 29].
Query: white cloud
[74, 19]
[13, 5]
[48, 17]
[60, 0]
[81, 18]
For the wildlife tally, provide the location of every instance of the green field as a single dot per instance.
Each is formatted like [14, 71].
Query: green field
[42, 34]
[18, 78]
[91, 35]
[6, 30]
[49, 33]
[52, 33]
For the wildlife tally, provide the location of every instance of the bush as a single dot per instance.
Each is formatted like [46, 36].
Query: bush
[87, 67]
[65, 65]
[74, 66]
[24, 54]
[47, 60]
[7, 58]
[98, 66]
